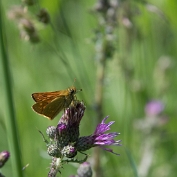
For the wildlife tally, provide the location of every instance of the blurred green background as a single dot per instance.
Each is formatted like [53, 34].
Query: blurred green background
[142, 67]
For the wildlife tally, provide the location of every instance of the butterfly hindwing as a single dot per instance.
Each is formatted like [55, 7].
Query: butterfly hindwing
[52, 109]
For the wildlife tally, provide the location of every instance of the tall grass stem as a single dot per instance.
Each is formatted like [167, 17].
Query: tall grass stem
[10, 118]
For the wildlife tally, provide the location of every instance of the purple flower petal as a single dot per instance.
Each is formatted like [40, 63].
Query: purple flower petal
[103, 127]
[107, 136]
[109, 150]
[99, 138]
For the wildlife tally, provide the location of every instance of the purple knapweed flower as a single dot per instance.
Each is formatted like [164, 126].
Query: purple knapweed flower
[4, 156]
[99, 138]
[68, 125]
[65, 140]
[154, 108]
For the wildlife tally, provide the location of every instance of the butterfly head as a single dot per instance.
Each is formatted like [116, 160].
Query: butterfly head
[72, 90]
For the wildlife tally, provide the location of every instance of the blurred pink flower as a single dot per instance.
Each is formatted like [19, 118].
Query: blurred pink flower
[154, 108]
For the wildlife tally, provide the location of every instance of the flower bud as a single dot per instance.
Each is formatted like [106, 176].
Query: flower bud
[51, 132]
[4, 156]
[28, 2]
[69, 151]
[84, 170]
[43, 16]
[53, 151]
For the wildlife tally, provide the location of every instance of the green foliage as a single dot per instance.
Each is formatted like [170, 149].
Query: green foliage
[141, 68]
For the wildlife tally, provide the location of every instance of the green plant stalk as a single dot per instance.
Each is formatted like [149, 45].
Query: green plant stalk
[10, 118]
[132, 162]
[100, 75]
[99, 113]
[103, 53]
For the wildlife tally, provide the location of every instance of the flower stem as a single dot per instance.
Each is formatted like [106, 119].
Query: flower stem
[104, 50]
[10, 113]
[101, 64]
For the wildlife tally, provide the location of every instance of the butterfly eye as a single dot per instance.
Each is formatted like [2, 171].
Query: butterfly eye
[72, 91]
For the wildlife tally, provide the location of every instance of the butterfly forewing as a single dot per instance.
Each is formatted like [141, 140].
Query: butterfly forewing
[43, 96]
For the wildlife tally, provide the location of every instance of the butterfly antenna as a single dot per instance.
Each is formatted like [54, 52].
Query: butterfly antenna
[78, 90]
[74, 81]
